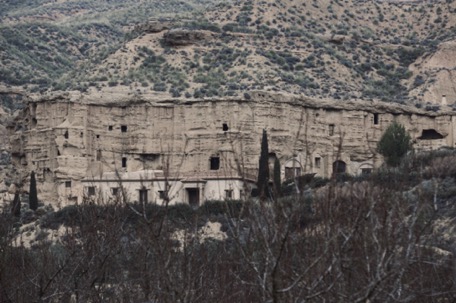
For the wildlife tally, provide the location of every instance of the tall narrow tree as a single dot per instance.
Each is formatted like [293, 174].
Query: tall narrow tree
[277, 180]
[33, 195]
[16, 205]
[263, 167]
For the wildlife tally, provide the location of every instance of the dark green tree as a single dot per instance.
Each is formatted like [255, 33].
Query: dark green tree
[394, 144]
[16, 205]
[263, 167]
[277, 180]
[33, 195]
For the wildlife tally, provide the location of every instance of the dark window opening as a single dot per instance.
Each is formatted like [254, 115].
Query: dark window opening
[110, 127]
[66, 135]
[331, 129]
[114, 191]
[375, 119]
[272, 156]
[149, 157]
[193, 196]
[161, 194]
[225, 127]
[143, 195]
[215, 163]
[339, 167]
[292, 172]
[430, 134]
[317, 162]
[124, 162]
[123, 128]
[81, 134]
[228, 194]
[91, 191]
[68, 184]
[98, 136]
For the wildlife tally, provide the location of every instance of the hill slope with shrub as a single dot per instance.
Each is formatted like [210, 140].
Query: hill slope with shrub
[396, 51]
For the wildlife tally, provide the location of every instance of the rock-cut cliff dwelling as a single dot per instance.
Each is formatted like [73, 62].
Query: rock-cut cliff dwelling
[192, 151]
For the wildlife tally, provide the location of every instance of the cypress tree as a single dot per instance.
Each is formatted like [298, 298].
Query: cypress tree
[16, 206]
[33, 195]
[263, 167]
[277, 181]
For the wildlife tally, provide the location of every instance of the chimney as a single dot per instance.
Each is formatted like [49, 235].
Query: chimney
[444, 100]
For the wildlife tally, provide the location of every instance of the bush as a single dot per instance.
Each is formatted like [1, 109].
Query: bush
[394, 144]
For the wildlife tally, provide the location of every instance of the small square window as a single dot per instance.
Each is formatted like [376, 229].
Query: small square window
[225, 127]
[98, 136]
[110, 127]
[123, 128]
[91, 191]
[68, 184]
[114, 191]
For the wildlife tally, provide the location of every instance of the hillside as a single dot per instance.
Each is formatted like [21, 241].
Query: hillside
[399, 51]
[41, 40]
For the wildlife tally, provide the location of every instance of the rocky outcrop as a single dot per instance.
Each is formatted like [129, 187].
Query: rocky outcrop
[184, 36]
[153, 27]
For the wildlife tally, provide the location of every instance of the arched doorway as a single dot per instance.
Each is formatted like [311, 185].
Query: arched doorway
[339, 167]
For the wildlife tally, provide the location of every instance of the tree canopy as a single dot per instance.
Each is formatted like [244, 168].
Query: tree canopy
[394, 144]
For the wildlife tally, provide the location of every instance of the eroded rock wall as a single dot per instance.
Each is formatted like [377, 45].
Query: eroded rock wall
[69, 143]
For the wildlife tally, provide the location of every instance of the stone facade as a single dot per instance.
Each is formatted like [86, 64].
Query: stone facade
[203, 149]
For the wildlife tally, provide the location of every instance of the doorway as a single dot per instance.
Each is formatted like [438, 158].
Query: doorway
[193, 196]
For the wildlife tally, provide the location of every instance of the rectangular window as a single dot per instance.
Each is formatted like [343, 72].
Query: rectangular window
[375, 119]
[123, 128]
[228, 194]
[331, 129]
[114, 191]
[91, 191]
[291, 172]
[215, 163]
[161, 194]
[124, 162]
[143, 195]
[68, 184]
[317, 162]
[110, 127]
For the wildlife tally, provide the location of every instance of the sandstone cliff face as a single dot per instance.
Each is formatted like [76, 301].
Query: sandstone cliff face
[440, 78]
[71, 142]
